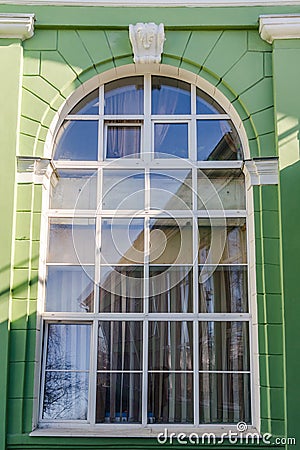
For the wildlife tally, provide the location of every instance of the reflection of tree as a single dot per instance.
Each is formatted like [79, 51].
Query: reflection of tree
[65, 394]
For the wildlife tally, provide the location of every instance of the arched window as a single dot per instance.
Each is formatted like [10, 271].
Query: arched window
[146, 313]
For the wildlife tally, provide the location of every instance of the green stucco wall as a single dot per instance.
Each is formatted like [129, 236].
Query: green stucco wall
[222, 45]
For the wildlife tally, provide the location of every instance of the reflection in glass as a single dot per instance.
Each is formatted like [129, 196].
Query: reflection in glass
[224, 346]
[89, 105]
[170, 398]
[170, 345]
[170, 96]
[122, 241]
[217, 140]
[120, 345]
[224, 289]
[123, 141]
[70, 288]
[171, 189]
[206, 104]
[171, 140]
[225, 397]
[68, 347]
[66, 377]
[119, 398]
[171, 241]
[124, 96]
[72, 241]
[121, 289]
[123, 189]
[222, 242]
[65, 396]
[77, 140]
[74, 189]
[221, 189]
[170, 289]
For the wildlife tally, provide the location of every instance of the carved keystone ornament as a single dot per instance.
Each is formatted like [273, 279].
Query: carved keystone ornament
[147, 40]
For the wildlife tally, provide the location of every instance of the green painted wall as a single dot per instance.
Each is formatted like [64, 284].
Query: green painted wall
[286, 60]
[70, 46]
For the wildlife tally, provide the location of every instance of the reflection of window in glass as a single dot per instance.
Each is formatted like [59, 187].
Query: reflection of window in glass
[171, 189]
[123, 189]
[217, 140]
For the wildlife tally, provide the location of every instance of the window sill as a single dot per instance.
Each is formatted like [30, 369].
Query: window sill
[130, 431]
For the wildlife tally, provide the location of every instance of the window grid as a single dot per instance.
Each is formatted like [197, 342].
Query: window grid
[147, 161]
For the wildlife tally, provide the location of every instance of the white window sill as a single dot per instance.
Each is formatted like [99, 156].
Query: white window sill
[133, 430]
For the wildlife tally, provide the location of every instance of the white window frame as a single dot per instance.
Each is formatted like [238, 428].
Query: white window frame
[147, 126]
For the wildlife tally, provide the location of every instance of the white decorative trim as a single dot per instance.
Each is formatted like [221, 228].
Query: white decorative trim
[17, 26]
[263, 171]
[147, 40]
[33, 170]
[279, 26]
[148, 3]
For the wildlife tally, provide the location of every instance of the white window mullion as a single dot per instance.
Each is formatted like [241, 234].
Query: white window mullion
[93, 374]
[147, 147]
[101, 155]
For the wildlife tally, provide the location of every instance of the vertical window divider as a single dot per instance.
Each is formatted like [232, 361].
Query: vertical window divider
[93, 374]
[145, 325]
[193, 126]
[147, 141]
[101, 155]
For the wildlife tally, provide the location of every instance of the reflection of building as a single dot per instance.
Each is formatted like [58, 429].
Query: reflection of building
[223, 54]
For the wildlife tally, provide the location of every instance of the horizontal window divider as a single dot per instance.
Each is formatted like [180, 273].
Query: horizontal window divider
[125, 118]
[119, 371]
[171, 371]
[130, 124]
[76, 264]
[72, 117]
[225, 371]
[155, 164]
[176, 214]
[71, 317]
[67, 370]
[171, 119]
[212, 117]
[223, 265]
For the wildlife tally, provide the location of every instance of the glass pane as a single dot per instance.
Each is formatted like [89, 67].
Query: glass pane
[124, 96]
[122, 241]
[223, 289]
[119, 398]
[121, 289]
[206, 104]
[170, 96]
[170, 398]
[68, 347]
[225, 398]
[171, 189]
[123, 141]
[221, 189]
[123, 189]
[120, 345]
[171, 241]
[77, 140]
[170, 289]
[170, 345]
[66, 396]
[217, 140]
[74, 189]
[222, 242]
[72, 241]
[89, 105]
[171, 140]
[70, 288]
[224, 346]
